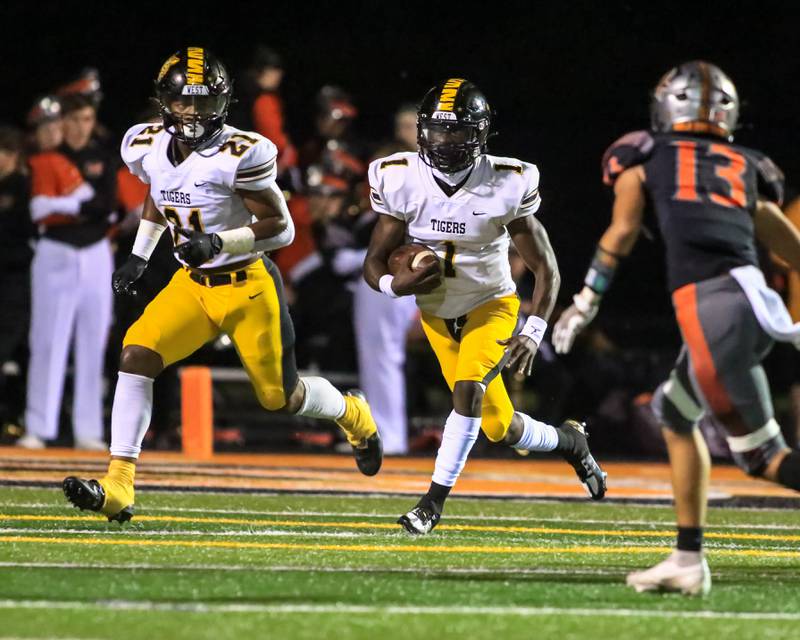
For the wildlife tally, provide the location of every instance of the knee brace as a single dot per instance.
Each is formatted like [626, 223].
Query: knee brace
[753, 452]
[674, 407]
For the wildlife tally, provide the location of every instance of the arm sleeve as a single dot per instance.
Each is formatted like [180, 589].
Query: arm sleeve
[376, 192]
[770, 181]
[630, 150]
[258, 167]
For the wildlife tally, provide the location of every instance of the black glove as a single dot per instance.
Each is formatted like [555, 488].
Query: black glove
[126, 276]
[199, 247]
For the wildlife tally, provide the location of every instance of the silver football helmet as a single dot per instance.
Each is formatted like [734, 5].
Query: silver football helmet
[695, 97]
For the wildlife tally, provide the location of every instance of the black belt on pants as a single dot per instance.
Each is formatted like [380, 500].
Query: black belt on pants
[218, 279]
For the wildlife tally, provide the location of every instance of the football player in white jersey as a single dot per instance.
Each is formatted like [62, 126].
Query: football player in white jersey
[468, 206]
[214, 187]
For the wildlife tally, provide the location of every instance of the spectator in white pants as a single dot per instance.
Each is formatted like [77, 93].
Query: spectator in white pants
[381, 324]
[73, 193]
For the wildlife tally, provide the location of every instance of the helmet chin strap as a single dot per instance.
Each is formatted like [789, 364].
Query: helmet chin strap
[451, 178]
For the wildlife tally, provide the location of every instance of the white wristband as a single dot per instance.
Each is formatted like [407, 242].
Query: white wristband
[237, 241]
[147, 237]
[385, 285]
[534, 329]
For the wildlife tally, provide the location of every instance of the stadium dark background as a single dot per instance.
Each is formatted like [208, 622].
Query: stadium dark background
[565, 79]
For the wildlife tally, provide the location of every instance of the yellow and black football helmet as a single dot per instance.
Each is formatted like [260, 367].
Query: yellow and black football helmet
[453, 124]
[194, 92]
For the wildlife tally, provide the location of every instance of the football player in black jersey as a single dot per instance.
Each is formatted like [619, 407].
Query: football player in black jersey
[712, 199]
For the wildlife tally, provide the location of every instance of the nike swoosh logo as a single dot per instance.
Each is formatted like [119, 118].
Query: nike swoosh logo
[199, 184]
[255, 296]
[479, 213]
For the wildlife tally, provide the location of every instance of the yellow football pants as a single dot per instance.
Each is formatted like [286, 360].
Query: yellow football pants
[467, 349]
[185, 315]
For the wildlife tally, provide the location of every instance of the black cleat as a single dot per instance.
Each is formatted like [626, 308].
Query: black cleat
[574, 447]
[420, 520]
[369, 454]
[88, 495]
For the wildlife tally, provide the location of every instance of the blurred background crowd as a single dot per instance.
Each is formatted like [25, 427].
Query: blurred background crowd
[59, 355]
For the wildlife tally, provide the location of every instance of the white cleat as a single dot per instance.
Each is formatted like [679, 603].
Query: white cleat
[30, 441]
[692, 578]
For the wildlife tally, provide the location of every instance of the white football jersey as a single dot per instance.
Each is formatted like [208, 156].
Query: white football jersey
[466, 230]
[200, 192]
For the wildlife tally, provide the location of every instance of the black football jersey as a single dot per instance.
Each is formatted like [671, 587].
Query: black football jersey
[704, 191]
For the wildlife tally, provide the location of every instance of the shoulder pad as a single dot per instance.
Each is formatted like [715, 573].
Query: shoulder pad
[386, 178]
[136, 144]
[630, 150]
[139, 138]
[242, 144]
[255, 157]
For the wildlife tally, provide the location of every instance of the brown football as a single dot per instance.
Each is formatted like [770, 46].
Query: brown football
[410, 256]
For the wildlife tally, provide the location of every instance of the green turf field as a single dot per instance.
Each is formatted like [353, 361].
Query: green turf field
[296, 566]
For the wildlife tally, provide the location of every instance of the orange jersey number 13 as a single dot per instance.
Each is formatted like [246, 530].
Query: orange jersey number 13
[732, 172]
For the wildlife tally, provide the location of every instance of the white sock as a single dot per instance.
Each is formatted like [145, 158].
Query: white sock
[130, 416]
[322, 399]
[460, 433]
[536, 436]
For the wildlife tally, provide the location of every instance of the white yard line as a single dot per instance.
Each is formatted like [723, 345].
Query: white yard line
[392, 516]
[340, 608]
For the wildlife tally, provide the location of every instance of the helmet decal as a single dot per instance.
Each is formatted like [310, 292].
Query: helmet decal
[447, 97]
[453, 123]
[195, 63]
[173, 59]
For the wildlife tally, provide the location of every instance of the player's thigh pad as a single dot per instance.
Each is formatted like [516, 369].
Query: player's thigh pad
[444, 345]
[176, 323]
[481, 359]
[260, 327]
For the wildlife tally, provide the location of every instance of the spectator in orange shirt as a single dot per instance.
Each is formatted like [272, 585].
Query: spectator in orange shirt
[261, 110]
[73, 195]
